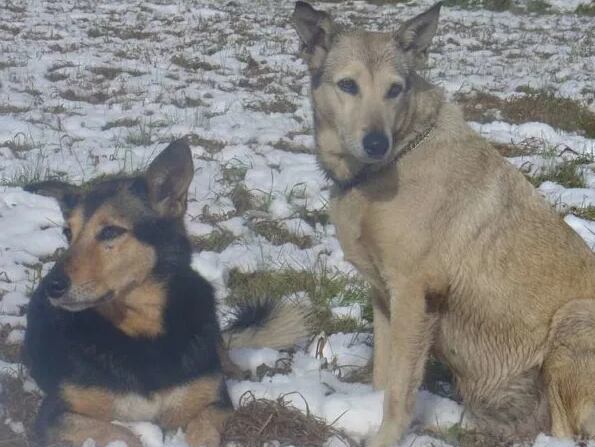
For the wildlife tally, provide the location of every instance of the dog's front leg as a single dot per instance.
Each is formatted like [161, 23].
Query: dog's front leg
[381, 359]
[411, 337]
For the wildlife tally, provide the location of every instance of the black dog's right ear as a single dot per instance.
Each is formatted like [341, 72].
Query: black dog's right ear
[315, 29]
[67, 195]
[169, 177]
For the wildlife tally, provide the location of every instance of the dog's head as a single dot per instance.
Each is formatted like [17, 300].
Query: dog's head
[362, 81]
[119, 230]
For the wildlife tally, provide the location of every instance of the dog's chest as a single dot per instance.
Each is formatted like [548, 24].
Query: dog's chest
[347, 213]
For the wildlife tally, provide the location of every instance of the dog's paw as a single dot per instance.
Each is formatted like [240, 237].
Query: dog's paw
[123, 435]
[201, 433]
[386, 437]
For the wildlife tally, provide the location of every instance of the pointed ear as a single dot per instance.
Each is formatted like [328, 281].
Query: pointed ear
[168, 178]
[416, 34]
[67, 195]
[315, 29]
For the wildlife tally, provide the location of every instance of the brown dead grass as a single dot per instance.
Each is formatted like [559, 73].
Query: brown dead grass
[533, 105]
[19, 406]
[259, 421]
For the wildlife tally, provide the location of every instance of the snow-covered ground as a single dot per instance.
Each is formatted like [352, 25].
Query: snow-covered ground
[88, 88]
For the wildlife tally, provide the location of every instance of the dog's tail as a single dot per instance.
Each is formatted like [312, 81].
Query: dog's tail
[267, 323]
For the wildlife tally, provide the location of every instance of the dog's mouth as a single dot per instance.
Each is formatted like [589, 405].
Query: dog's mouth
[79, 305]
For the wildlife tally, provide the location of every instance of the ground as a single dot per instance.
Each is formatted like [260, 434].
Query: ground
[91, 88]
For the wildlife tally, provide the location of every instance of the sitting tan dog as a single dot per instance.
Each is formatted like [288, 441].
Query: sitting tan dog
[466, 258]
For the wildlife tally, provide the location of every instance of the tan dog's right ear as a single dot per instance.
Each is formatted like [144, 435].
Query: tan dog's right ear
[315, 29]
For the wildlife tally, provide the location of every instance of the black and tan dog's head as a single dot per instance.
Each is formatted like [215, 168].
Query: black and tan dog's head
[120, 230]
[362, 84]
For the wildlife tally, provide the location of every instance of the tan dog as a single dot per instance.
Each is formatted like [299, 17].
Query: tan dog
[466, 258]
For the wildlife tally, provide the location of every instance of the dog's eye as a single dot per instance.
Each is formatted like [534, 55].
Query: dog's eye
[348, 86]
[394, 91]
[67, 232]
[110, 232]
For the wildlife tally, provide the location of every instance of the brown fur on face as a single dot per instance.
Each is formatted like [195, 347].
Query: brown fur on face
[103, 269]
[464, 255]
[370, 60]
[138, 313]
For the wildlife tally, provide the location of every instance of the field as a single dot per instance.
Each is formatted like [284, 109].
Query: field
[92, 88]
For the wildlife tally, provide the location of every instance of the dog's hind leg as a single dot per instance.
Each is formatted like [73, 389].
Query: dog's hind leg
[569, 370]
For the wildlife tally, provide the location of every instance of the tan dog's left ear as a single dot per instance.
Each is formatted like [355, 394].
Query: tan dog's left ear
[415, 35]
[168, 178]
[315, 29]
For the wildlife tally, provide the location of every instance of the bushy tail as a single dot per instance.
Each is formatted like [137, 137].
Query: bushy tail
[267, 323]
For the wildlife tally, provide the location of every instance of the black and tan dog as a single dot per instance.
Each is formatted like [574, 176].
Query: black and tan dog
[122, 328]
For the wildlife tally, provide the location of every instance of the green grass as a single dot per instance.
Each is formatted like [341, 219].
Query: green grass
[491, 5]
[325, 289]
[277, 234]
[567, 173]
[586, 212]
[217, 240]
[586, 9]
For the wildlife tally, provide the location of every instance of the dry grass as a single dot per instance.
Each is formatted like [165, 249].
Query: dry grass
[533, 105]
[19, 406]
[260, 421]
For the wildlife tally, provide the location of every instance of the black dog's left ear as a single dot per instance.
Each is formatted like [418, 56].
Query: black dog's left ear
[168, 178]
[416, 34]
[67, 195]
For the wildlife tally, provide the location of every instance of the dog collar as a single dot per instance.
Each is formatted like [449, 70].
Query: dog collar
[365, 174]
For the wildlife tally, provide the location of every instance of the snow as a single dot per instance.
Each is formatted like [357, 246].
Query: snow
[254, 122]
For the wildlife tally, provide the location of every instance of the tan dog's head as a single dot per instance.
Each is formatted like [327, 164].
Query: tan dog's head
[118, 230]
[362, 81]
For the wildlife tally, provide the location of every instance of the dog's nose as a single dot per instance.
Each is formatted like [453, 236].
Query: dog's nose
[376, 144]
[57, 285]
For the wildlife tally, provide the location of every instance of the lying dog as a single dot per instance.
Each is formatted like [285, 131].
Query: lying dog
[465, 256]
[122, 328]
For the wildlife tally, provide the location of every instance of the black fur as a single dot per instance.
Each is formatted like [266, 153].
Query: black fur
[252, 314]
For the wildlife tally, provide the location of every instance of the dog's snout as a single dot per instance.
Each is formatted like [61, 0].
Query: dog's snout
[57, 285]
[376, 144]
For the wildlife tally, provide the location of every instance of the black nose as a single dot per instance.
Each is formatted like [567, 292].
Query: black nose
[57, 285]
[376, 144]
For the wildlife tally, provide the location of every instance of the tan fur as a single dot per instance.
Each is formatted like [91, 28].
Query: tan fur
[76, 429]
[467, 258]
[191, 405]
[139, 312]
